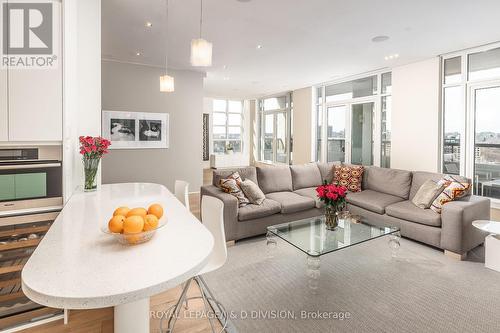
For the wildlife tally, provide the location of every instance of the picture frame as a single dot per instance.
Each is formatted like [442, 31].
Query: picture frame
[136, 130]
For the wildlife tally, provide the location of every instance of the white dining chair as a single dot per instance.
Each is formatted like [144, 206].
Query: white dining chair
[182, 192]
[213, 218]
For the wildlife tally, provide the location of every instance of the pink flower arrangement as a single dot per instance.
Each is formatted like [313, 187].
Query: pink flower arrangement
[93, 147]
[332, 195]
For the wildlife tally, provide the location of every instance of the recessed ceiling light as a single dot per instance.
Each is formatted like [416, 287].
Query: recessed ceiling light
[379, 39]
[226, 78]
[259, 46]
[224, 67]
[391, 56]
[138, 53]
[148, 24]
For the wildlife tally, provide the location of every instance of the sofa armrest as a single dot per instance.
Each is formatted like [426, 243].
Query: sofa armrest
[458, 234]
[230, 208]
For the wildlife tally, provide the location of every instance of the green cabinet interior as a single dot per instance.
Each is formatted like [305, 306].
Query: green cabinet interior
[24, 185]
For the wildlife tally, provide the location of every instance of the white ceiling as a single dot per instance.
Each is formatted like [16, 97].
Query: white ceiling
[304, 41]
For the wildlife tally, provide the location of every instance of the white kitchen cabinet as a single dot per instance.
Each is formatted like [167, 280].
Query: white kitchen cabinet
[35, 105]
[4, 107]
[35, 97]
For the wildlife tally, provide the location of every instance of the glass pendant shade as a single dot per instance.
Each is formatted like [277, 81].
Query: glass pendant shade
[166, 83]
[201, 53]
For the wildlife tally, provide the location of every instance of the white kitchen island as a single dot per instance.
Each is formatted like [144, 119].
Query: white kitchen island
[78, 266]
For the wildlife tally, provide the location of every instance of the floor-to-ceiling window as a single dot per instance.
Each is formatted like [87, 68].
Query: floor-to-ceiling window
[227, 126]
[471, 117]
[275, 129]
[353, 121]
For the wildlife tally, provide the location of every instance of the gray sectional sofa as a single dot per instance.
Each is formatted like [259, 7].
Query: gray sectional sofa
[384, 200]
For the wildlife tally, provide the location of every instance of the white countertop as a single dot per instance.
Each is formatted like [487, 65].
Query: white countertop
[77, 266]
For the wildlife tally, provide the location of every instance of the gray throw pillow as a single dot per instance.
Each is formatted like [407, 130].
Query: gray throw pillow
[427, 193]
[252, 192]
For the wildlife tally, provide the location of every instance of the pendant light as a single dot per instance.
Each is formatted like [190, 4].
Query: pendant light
[166, 81]
[201, 50]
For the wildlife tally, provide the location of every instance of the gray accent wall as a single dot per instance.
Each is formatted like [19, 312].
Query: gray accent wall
[130, 87]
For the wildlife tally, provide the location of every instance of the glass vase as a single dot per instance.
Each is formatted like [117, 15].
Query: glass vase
[90, 167]
[331, 217]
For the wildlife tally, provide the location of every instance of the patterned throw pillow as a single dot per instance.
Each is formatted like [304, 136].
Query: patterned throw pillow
[349, 176]
[231, 185]
[454, 189]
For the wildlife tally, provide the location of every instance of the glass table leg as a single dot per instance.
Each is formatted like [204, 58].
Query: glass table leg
[271, 244]
[313, 272]
[394, 243]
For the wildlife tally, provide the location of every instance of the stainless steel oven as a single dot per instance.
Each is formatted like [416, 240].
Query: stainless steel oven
[30, 178]
[30, 200]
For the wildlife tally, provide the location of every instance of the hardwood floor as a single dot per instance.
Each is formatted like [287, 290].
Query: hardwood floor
[101, 320]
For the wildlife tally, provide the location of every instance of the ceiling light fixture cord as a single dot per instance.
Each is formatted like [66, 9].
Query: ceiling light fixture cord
[201, 15]
[166, 40]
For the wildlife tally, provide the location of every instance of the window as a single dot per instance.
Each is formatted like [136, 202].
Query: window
[470, 109]
[346, 113]
[227, 126]
[275, 129]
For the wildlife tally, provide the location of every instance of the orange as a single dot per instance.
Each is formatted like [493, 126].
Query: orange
[150, 222]
[133, 239]
[116, 223]
[137, 211]
[156, 210]
[123, 211]
[133, 224]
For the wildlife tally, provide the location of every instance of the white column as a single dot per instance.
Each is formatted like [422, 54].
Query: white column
[132, 317]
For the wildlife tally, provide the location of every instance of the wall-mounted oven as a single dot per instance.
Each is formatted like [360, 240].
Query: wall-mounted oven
[30, 200]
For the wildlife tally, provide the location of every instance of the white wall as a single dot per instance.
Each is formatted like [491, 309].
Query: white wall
[415, 116]
[129, 87]
[302, 125]
[81, 83]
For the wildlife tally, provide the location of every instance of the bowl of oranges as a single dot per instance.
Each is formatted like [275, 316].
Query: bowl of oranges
[138, 225]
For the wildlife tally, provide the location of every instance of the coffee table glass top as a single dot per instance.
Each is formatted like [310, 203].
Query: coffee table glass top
[312, 237]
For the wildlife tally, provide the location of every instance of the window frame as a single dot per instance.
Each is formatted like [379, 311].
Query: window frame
[376, 99]
[227, 126]
[288, 111]
[467, 131]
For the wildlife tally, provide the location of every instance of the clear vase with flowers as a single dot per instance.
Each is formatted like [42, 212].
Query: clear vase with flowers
[92, 149]
[333, 197]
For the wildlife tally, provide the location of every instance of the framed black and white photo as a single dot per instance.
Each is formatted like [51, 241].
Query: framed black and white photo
[135, 130]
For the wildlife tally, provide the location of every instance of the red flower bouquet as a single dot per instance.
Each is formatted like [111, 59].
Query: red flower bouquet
[334, 198]
[92, 149]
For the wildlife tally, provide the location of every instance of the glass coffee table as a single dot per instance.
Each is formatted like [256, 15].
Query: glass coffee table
[313, 238]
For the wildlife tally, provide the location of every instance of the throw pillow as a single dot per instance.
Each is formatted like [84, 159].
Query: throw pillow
[230, 186]
[349, 176]
[252, 192]
[453, 190]
[427, 193]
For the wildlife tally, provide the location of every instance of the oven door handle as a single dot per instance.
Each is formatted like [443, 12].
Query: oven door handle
[30, 166]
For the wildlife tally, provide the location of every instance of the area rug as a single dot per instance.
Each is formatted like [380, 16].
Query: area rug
[361, 289]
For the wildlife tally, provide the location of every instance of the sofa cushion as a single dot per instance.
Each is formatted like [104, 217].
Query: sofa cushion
[372, 200]
[406, 210]
[453, 190]
[274, 179]
[420, 177]
[305, 175]
[427, 193]
[349, 176]
[251, 211]
[310, 192]
[291, 202]
[327, 171]
[252, 192]
[245, 173]
[389, 181]
[230, 185]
